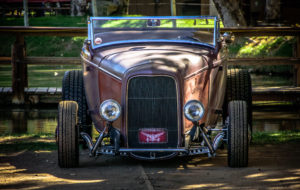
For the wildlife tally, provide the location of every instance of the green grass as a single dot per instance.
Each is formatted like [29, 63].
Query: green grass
[46, 76]
[19, 142]
[54, 46]
[4, 137]
[38, 75]
[279, 137]
[271, 80]
[59, 20]
[45, 45]
[17, 146]
[5, 76]
[263, 46]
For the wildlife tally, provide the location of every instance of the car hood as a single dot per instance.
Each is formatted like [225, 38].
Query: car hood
[182, 59]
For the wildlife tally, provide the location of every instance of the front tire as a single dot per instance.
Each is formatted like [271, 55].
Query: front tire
[68, 148]
[73, 89]
[238, 87]
[237, 134]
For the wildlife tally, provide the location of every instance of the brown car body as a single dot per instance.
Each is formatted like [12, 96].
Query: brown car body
[154, 96]
[198, 71]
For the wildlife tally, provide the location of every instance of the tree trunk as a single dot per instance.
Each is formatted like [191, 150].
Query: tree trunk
[173, 7]
[231, 12]
[272, 10]
[94, 8]
[25, 7]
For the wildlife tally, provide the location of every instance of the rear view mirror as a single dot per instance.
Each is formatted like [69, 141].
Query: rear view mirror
[153, 22]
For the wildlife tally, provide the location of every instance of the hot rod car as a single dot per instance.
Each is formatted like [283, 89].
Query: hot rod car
[154, 88]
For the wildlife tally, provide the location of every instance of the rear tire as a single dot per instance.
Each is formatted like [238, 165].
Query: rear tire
[68, 149]
[73, 89]
[237, 134]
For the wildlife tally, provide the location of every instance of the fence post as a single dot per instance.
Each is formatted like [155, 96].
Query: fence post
[19, 122]
[19, 70]
[173, 7]
[25, 7]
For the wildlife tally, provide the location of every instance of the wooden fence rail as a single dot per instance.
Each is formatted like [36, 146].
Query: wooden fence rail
[19, 60]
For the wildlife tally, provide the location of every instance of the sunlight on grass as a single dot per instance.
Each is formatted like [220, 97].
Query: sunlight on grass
[55, 46]
[47, 75]
[42, 151]
[9, 138]
[260, 45]
[58, 20]
[79, 39]
[17, 142]
[164, 23]
[25, 136]
[276, 137]
[30, 145]
[263, 46]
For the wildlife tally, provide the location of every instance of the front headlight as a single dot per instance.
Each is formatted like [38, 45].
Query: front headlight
[110, 110]
[193, 110]
[85, 52]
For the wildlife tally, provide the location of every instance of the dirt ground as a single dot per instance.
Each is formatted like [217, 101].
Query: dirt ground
[270, 167]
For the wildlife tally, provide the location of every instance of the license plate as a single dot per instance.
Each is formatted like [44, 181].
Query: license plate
[153, 135]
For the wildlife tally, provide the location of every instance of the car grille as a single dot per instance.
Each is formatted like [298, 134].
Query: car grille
[152, 103]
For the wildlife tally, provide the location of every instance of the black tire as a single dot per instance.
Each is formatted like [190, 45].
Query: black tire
[68, 148]
[238, 87]
[73, 89]
[237, 134]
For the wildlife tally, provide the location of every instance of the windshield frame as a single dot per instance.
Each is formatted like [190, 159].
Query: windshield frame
[215, 31]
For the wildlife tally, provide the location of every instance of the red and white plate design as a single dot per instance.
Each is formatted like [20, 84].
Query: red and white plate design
[98, 41]
[153, 135]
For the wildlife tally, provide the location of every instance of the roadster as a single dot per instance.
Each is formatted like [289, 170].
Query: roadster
[155, 88]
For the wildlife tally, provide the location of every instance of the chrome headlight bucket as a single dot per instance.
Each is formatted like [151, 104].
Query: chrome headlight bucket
[85, 51]
[110, 110]
[193, 110]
